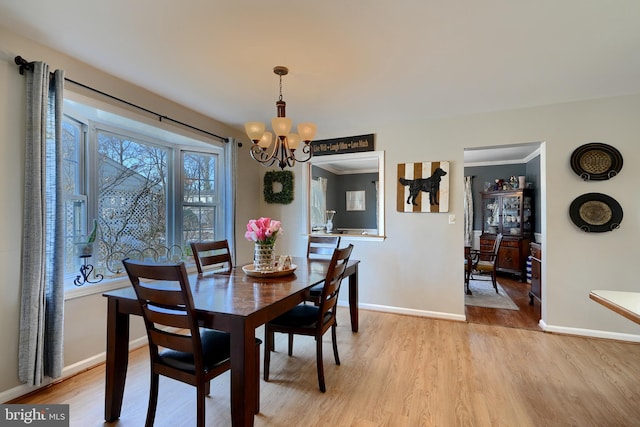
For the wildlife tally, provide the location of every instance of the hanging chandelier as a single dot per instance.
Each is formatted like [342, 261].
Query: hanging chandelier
[283, 148]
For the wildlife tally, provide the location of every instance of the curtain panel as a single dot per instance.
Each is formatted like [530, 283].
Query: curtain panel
[42, 298]
[468, 211]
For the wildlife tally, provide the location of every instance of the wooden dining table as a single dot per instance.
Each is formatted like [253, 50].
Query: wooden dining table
[232, 302]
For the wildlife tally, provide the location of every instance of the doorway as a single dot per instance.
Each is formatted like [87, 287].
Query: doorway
[487, 165]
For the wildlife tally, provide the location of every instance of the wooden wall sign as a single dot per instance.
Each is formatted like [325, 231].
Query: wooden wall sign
[423, 187]
[350, 144]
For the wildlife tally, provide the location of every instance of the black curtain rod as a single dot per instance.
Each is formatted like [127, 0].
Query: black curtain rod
[26, 65]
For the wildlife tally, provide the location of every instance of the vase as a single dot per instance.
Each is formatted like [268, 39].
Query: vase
[330, 226]
[264, 256]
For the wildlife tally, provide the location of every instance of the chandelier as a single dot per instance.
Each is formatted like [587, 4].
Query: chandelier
[283, 148]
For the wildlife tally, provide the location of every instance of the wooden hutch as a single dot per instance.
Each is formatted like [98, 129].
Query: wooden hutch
[509, 212]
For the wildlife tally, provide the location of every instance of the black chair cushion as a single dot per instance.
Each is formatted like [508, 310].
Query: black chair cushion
[316, 291]
[215, 349]
[300, 316]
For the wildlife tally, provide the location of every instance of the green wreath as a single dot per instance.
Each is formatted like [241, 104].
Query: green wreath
[283, 177]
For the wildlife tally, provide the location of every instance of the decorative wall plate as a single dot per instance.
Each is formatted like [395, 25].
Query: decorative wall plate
[596, 213]
[596, 161]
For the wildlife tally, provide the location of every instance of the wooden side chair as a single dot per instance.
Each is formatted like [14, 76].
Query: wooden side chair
[178, 348]
[312, 320]
[212, 253]
[487, 262]
[320, 247]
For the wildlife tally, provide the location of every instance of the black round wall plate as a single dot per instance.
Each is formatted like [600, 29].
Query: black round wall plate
[596, 212]
[596, 161]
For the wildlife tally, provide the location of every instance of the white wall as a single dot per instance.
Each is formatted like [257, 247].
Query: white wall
[418, 268]
[85, 318]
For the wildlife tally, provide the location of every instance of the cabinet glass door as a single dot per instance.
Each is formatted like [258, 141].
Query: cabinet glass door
[491, 215]
[527, 215]
[511, 216]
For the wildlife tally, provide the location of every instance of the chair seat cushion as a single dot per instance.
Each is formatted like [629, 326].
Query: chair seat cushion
[484, 266]
[300, 316]
[215, 350]
[316, 291]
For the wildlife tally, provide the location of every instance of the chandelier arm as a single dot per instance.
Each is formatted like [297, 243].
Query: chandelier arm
[306, 150]
[261, 156]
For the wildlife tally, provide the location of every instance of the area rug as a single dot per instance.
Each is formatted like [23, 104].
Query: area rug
[484, 295]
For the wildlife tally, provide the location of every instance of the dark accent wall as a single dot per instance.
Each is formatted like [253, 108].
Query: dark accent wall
[533, 176]
[488, 174]
[337, 186]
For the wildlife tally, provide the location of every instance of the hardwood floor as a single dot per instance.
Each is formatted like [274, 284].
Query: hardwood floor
[401, 371]
[526, 317]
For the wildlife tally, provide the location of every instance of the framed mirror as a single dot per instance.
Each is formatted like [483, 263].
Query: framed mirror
[337, 183]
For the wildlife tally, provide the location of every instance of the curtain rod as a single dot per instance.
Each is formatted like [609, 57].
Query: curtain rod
[26, 65]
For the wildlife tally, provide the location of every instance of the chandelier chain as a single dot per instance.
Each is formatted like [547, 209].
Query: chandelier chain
[280, 87]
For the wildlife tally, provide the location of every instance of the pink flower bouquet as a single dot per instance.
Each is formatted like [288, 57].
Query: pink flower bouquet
[263, 230]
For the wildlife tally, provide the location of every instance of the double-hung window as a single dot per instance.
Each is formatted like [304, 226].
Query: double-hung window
[147, 193]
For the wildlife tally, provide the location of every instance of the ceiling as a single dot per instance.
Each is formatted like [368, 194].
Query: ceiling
[353, 67]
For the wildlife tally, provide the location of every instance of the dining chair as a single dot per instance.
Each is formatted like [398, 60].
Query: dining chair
[178, 347]
[312, 320]
[320, 247]
[487, 262]
[212, 253]
[469, 257]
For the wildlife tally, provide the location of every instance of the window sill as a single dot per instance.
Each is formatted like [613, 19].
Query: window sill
[354, 237]
[73, 292]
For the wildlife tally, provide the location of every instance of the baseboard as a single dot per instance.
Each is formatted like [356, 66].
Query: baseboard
[408, 311]
[67, 372]
[590, 333]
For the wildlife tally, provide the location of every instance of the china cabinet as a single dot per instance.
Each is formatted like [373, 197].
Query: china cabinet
[509, 212]
[536, 267]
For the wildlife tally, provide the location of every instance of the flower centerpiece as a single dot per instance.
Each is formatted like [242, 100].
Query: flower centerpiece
[264, 232]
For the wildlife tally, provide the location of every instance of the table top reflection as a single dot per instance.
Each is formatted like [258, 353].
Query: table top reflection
[236, 293]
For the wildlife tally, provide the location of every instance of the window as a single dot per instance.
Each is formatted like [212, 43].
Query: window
[150, 192]
[200, 197]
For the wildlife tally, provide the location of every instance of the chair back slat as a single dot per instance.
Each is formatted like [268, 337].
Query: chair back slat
[212, 253]
[173, 319]
[331, 288]
[172, 340]
[322, 247]
[496, 245]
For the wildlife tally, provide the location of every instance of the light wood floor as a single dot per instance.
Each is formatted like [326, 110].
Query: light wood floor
[401, 371]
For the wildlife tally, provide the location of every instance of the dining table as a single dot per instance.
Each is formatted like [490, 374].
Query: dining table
[234, 302]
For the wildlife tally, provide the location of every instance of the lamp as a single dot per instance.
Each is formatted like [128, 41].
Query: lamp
[281, 150]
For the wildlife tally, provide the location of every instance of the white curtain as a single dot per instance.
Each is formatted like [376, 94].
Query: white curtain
[468, 211]
[318, 202]
[42, 301]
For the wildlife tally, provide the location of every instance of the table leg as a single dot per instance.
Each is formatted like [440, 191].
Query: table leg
[353, 298]
[117, 360]
[243, 375]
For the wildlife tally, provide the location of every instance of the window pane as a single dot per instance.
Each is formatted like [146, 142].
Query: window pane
[74, 226]
[199, 178]
[71, 139]
[198, 224]
[199, 198]
[132, 200]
